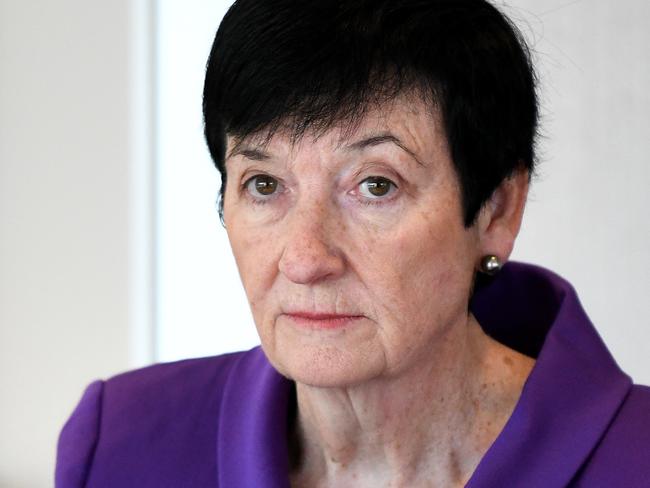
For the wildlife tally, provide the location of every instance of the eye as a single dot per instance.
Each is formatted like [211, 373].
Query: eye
[261, 185]
[376, 187]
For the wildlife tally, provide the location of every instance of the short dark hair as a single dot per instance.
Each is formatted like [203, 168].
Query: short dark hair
[316, 63]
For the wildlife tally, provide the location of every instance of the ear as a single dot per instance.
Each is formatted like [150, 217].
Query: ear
[499, 219]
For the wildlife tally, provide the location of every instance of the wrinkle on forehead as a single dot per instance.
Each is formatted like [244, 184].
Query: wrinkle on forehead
[381, 114]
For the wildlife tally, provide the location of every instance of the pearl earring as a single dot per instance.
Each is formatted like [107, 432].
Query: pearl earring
[490, 265]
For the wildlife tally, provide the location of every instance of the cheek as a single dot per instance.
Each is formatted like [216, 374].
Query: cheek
[425, 294]
[425, 244]
[255, 258]
[421, 273]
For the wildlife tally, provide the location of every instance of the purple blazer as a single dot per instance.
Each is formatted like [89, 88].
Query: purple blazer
[222, 421]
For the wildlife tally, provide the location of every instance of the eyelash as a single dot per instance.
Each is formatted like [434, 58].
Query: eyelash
[260, 200]
[381, 200]
[366, 201]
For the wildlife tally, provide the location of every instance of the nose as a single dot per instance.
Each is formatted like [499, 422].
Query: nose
[311, 252]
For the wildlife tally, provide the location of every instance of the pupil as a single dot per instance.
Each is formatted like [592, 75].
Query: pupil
[378, 186]
[265, 186]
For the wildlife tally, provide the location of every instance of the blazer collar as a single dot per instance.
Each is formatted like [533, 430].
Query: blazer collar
[572, 393]
[569, 399]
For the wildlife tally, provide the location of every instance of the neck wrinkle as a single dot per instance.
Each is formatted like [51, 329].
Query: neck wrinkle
[379, 424]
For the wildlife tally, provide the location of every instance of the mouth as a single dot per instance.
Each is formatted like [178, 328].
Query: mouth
[309, 320]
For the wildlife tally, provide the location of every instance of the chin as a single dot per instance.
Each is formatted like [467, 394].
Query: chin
[325, 367]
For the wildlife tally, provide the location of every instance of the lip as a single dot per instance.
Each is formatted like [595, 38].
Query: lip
[310, 320]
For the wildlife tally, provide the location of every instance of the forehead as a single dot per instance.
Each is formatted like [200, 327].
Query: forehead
[407, 118]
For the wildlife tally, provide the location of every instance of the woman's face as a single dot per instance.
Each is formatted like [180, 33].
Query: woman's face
[351, 245]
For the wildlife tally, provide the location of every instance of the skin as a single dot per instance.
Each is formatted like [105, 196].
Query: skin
[409, 392]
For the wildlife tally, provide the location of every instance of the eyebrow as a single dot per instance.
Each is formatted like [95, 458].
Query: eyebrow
[256, 154]
[249, 153]
[383, 138]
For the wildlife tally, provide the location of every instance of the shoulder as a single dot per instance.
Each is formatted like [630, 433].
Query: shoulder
[629, 432]
[622, 456]
[78, 439]
[145, 416]
[167, 390]
[167, 384]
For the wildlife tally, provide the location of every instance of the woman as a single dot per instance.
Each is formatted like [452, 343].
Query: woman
[375, 158]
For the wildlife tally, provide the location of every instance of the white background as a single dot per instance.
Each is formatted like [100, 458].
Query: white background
[97, 244]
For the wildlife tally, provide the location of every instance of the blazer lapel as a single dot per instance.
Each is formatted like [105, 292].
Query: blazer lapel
[568, 401]
[252, 439]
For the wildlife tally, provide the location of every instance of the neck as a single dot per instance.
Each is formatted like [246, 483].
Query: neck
[433, 421]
